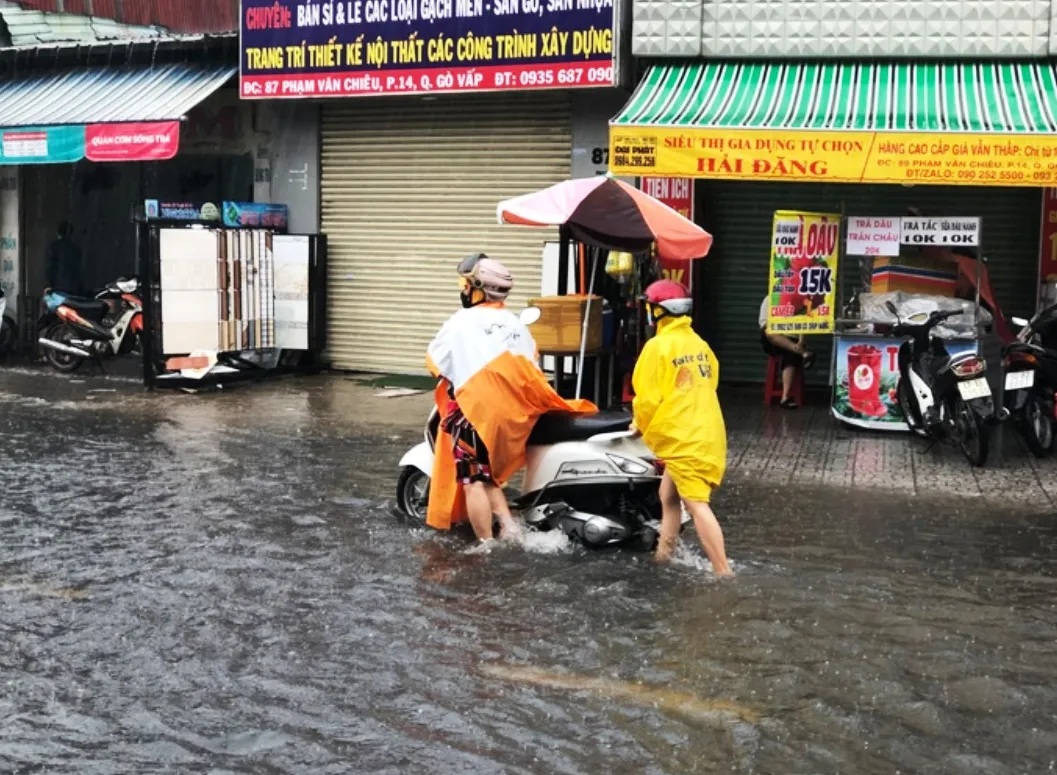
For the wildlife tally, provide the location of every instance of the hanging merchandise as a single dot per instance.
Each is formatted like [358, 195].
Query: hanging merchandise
[620, 266]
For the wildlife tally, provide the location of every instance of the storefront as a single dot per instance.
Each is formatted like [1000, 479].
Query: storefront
[955, 139]
[408, 187]
[85, 144]
[421, 138]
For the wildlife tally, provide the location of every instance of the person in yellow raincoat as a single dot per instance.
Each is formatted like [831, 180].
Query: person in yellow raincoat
[677, 411]
[490, 394]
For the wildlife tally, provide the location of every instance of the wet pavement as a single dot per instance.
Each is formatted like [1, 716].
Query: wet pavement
[217, 584]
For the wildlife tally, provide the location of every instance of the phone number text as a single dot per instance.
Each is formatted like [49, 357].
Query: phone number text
[545, 76]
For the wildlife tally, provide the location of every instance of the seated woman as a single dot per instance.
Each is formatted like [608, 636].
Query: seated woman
[791, 354]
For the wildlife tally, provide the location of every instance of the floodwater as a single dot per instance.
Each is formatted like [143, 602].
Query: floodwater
[217, 584]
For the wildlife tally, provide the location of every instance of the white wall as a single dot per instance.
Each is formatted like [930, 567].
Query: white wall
[10, 186]
[294, 161]
[591, 112]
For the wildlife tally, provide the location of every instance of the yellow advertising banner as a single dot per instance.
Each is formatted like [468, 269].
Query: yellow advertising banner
[835, 157]
[804, 253]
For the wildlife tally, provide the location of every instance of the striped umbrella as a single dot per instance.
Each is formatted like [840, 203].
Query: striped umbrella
[608, 213]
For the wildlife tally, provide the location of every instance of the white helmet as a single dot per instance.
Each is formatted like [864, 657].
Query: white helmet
[488, 275]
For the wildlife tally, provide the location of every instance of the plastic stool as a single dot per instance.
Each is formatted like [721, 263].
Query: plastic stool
[627, 394]
[772, 387]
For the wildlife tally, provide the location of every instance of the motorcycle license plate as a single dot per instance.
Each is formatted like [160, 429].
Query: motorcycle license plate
[974, 388]
[1018, 380]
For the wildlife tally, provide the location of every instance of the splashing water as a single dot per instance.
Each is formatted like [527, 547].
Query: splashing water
[545, 542]
[529, 540]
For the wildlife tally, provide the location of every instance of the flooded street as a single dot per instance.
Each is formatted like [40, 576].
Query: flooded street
[218, 584]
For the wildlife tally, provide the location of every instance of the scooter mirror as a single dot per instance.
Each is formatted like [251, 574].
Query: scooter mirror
[892, 308]
[530, 315]
[1019, 321]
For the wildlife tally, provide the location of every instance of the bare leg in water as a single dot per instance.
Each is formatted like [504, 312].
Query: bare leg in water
[484, 502]
[708, 529]
[479, 509]
[508, 526]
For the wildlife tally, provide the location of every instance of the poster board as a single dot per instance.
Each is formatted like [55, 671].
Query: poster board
[292, 254]
[215, 290]
[189, 289]
[805, 248]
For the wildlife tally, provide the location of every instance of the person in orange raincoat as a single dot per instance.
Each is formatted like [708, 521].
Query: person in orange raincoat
[490, 394]
[677, 412]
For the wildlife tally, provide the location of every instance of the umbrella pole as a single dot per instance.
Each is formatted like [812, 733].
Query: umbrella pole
[583, 328]
[563, 260]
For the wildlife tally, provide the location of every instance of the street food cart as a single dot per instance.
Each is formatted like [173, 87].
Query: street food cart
[918, 264]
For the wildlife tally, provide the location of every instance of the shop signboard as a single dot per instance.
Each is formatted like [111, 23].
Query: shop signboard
[835, 157]
[940, 232]
[42, 145]
[157, 141]
[803, 280]
[154, 141]
[180, 211]
[1048, 249]
[266, 214]
[343, 48]
[867, 379]
[678, 194]
[872, 236]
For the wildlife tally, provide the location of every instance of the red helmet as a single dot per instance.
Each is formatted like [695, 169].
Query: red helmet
[670, 296]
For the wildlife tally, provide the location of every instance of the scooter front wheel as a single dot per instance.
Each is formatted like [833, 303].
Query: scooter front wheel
[412, 495]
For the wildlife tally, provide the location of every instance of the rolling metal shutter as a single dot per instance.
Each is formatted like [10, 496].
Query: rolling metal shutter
[410, 186]
[739, 215]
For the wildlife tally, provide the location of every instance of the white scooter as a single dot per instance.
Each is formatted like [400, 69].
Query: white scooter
[586, 475]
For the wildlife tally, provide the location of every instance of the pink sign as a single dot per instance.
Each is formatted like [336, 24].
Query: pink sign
[132, 142]
[678, 194]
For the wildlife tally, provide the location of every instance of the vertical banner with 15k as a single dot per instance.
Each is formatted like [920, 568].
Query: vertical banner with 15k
[803, 277]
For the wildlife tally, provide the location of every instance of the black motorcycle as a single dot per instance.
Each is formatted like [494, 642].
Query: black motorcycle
[944, 398]
[1031, 381]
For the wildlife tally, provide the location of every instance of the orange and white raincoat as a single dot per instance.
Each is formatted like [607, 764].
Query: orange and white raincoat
[489, 358]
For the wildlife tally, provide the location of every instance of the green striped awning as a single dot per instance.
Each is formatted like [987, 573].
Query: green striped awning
[993, 98]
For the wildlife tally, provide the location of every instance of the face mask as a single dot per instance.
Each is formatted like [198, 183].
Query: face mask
[471, 298]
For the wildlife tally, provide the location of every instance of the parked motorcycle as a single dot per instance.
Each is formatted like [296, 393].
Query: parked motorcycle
[1031, 381]
[76, 329]
[944, 398]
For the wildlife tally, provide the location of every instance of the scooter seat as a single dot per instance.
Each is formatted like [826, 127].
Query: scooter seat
[87, 308]
[556, 427]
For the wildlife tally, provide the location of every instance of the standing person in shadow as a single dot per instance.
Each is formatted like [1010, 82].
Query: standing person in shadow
[64, 263]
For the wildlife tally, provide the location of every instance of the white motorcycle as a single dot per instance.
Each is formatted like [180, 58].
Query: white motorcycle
[586, 475]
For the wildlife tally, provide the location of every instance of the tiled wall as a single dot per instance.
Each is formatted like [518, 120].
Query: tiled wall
[844, 28]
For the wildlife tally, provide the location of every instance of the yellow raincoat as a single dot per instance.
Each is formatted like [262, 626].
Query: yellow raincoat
[677, 409]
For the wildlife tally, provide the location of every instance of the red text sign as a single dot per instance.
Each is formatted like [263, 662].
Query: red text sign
[132, 142]
[678, 194]
[1048, 247]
